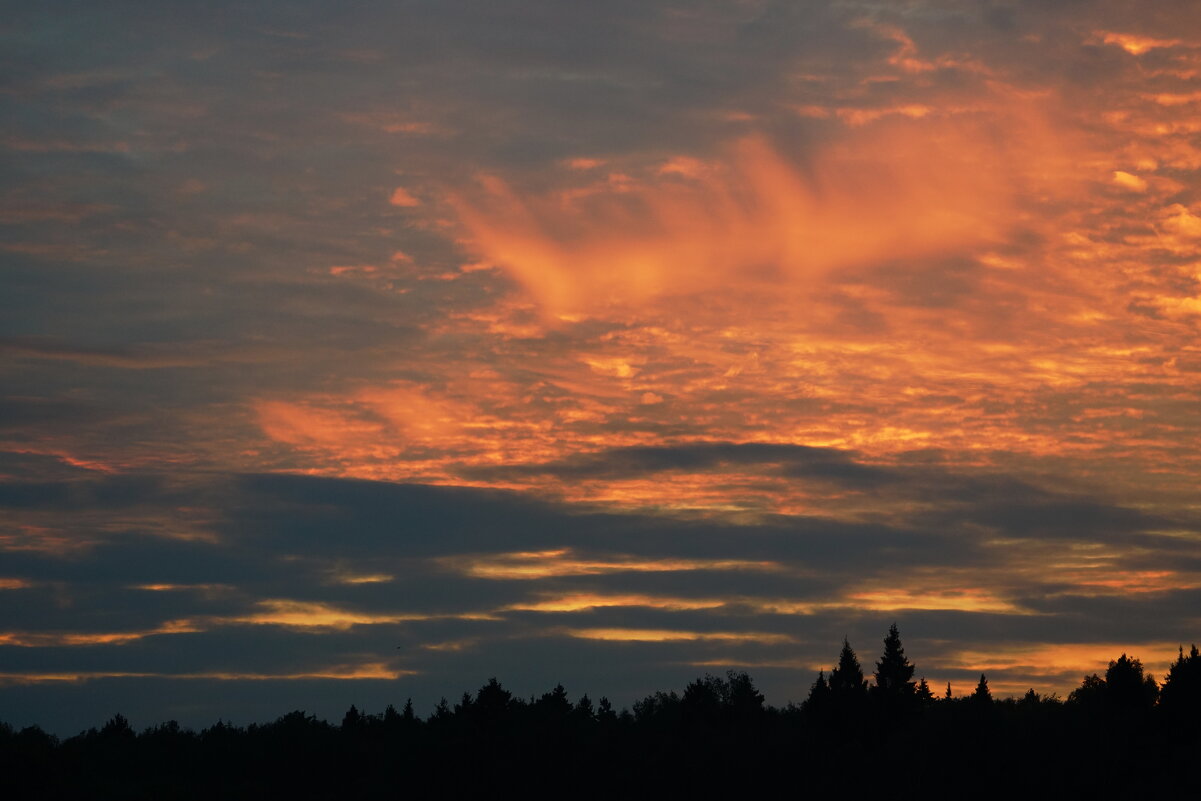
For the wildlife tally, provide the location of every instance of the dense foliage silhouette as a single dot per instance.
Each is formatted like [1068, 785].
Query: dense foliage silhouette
[1120, 733]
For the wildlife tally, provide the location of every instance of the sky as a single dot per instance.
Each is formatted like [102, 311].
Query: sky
[352, 352]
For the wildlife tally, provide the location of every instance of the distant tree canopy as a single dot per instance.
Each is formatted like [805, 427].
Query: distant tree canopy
[717, 735]
[1124, 690]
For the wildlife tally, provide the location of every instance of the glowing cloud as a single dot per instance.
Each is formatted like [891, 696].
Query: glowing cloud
[756, 217]
[401, 197]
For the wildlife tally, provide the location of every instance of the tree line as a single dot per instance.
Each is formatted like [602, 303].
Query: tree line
[885, 733]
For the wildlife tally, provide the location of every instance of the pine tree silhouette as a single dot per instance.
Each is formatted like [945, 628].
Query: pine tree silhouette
[819, 693]
[894, 688]
[1180, 696]
[982, 695]
[846, 680]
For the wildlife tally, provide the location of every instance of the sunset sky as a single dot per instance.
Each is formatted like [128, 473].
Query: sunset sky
[358, 351]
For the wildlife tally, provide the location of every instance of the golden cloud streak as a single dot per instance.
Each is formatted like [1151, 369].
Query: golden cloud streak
[313, 615]
[54, 639]
[576, 602]
[669, 635]
[1065, 664]
[366, 671]
[544, 564]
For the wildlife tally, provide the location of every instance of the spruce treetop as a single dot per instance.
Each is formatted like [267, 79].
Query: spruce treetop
[894, 673]
[847, 680]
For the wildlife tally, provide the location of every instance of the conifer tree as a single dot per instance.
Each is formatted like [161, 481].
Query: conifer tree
[982, 695]
[948, 695]
[894, 673]
[922, 693]
[1180, 695]
[846, 680]
[819, 696]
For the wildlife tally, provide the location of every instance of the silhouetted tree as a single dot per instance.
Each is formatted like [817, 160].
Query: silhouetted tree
[701, 704]
[1090, 694]
[1180, 696]
[922, 694]
[819, 693]
[894, 688]
[604, 711]
[352, 720]
[847, 684]
[948, 695]
[1127, 690]
[554, 705]
[982, 695]
[118, 727]
[441, 713]
[715, 739]
[492, 700]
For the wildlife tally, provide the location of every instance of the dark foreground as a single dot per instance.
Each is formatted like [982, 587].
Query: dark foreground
[1121, 735]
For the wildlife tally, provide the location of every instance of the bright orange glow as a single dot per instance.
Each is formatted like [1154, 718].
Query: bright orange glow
[1052, 667]
[755, 218]
[1136, 45]
[1129, 181]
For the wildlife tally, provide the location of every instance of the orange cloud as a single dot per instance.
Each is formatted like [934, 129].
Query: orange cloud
[542, 564]
[576, 602]
[754, 218]
[1134, 44]
[401, 197]
[671, 635]
[366, 671]
[304, 424]
[1128, 181]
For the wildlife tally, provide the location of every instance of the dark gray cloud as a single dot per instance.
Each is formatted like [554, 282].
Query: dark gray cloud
[294, 539]
[796, 461]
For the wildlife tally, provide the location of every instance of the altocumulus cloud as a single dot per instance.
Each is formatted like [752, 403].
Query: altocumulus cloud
[354, 353]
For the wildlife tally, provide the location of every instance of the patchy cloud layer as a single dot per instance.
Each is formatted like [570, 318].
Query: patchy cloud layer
[696, 335]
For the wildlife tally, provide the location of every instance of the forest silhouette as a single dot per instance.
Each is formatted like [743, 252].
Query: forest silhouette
[853, 734]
